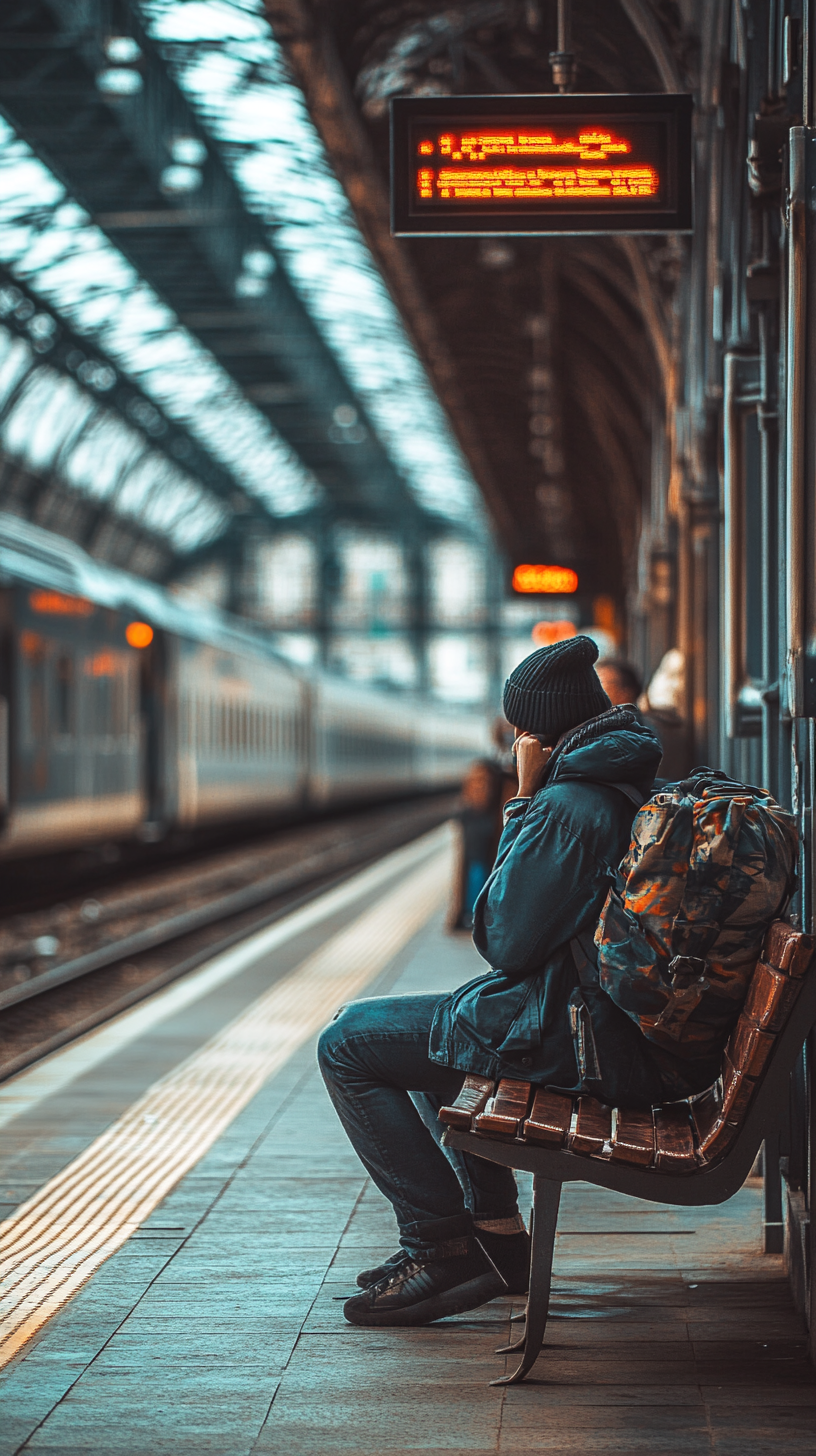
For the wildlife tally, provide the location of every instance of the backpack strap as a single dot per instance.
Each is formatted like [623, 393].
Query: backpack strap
[631, 793]
[585, 956]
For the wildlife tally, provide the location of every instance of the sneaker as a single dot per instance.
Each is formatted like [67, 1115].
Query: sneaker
[367, 1277]
[509, 1252]
[448, 1278]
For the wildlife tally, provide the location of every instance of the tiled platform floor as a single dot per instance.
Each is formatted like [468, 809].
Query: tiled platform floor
[218, 1328]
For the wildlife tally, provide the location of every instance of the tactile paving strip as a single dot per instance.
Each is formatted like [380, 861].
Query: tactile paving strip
[59, 1237]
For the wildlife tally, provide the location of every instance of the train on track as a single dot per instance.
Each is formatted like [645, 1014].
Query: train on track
[126, 713]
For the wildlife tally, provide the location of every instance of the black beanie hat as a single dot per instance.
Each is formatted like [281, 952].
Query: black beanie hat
[555, 688]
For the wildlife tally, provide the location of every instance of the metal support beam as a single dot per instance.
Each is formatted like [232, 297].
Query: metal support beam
[114, 154]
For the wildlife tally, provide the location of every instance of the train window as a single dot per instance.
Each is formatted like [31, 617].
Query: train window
[65, 693]
[37, 716]
[102, 706]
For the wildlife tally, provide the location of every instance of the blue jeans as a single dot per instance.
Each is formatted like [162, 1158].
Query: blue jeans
[387, 1092]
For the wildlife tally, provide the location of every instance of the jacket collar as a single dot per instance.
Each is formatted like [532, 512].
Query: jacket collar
[614, 720]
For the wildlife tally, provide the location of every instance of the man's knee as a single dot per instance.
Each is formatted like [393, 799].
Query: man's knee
[353, 1020]
[328, 1045]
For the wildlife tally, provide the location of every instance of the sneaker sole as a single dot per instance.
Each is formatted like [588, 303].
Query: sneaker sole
[454, 1301]
[371, 1276]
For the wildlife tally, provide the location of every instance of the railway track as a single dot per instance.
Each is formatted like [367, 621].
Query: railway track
[115, 950]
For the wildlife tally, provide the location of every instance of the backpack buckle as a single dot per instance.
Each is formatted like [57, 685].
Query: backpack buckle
[688, 981]
[687, 971]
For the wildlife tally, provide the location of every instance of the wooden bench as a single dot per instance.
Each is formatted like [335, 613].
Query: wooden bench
[688, 1153]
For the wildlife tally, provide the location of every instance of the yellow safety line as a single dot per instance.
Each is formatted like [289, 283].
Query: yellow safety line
[64, 1232]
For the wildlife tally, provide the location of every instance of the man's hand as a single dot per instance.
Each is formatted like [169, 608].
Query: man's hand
[531, 760]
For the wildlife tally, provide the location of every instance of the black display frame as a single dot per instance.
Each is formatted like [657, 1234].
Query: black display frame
[587, 218]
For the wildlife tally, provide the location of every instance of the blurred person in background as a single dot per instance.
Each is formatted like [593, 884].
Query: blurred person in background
[479, 821]
[660, 705]
[621, 681]
[664, 709]
[487, 786]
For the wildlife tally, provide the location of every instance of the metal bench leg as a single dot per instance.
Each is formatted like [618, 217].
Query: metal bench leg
[546, 1198]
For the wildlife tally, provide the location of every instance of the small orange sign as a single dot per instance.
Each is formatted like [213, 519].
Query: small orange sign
[545, 633]
[558, 579]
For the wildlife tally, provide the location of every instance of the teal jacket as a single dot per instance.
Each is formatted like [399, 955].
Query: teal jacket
[556, 860]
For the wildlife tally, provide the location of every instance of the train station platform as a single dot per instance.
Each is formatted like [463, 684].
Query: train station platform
[184, 1217]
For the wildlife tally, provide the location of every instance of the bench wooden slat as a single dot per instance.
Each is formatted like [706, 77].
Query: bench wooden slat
[737, 1091]
[749, 1048]
[472, 1099]
[674, 1139]
[633, 1137]
[549, 1120]
[787, 949]
[770, 998]
[591, 1130]
[714, 1132]
[506, 1111]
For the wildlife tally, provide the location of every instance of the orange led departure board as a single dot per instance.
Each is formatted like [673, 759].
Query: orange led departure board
[515, 164]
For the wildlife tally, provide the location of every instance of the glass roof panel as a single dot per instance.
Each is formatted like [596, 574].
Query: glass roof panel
[103, 456]
[15, 359]
[227, 61]
[50, 242]
[54, 425]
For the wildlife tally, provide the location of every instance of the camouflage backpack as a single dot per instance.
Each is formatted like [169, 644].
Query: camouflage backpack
[711, 864]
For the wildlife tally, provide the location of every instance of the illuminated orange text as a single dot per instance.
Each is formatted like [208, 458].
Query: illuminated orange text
[582, 165]
[591, 146]
[559, 579]
[57, 604]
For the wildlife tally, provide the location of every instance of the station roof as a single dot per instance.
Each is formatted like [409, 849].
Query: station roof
[228, 63]
[231, 294]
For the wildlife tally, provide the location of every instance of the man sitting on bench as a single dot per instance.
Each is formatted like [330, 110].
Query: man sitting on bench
[462, 1239]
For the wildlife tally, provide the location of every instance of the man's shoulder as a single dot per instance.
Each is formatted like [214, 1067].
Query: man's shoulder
[581, 805]
[570, 793]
